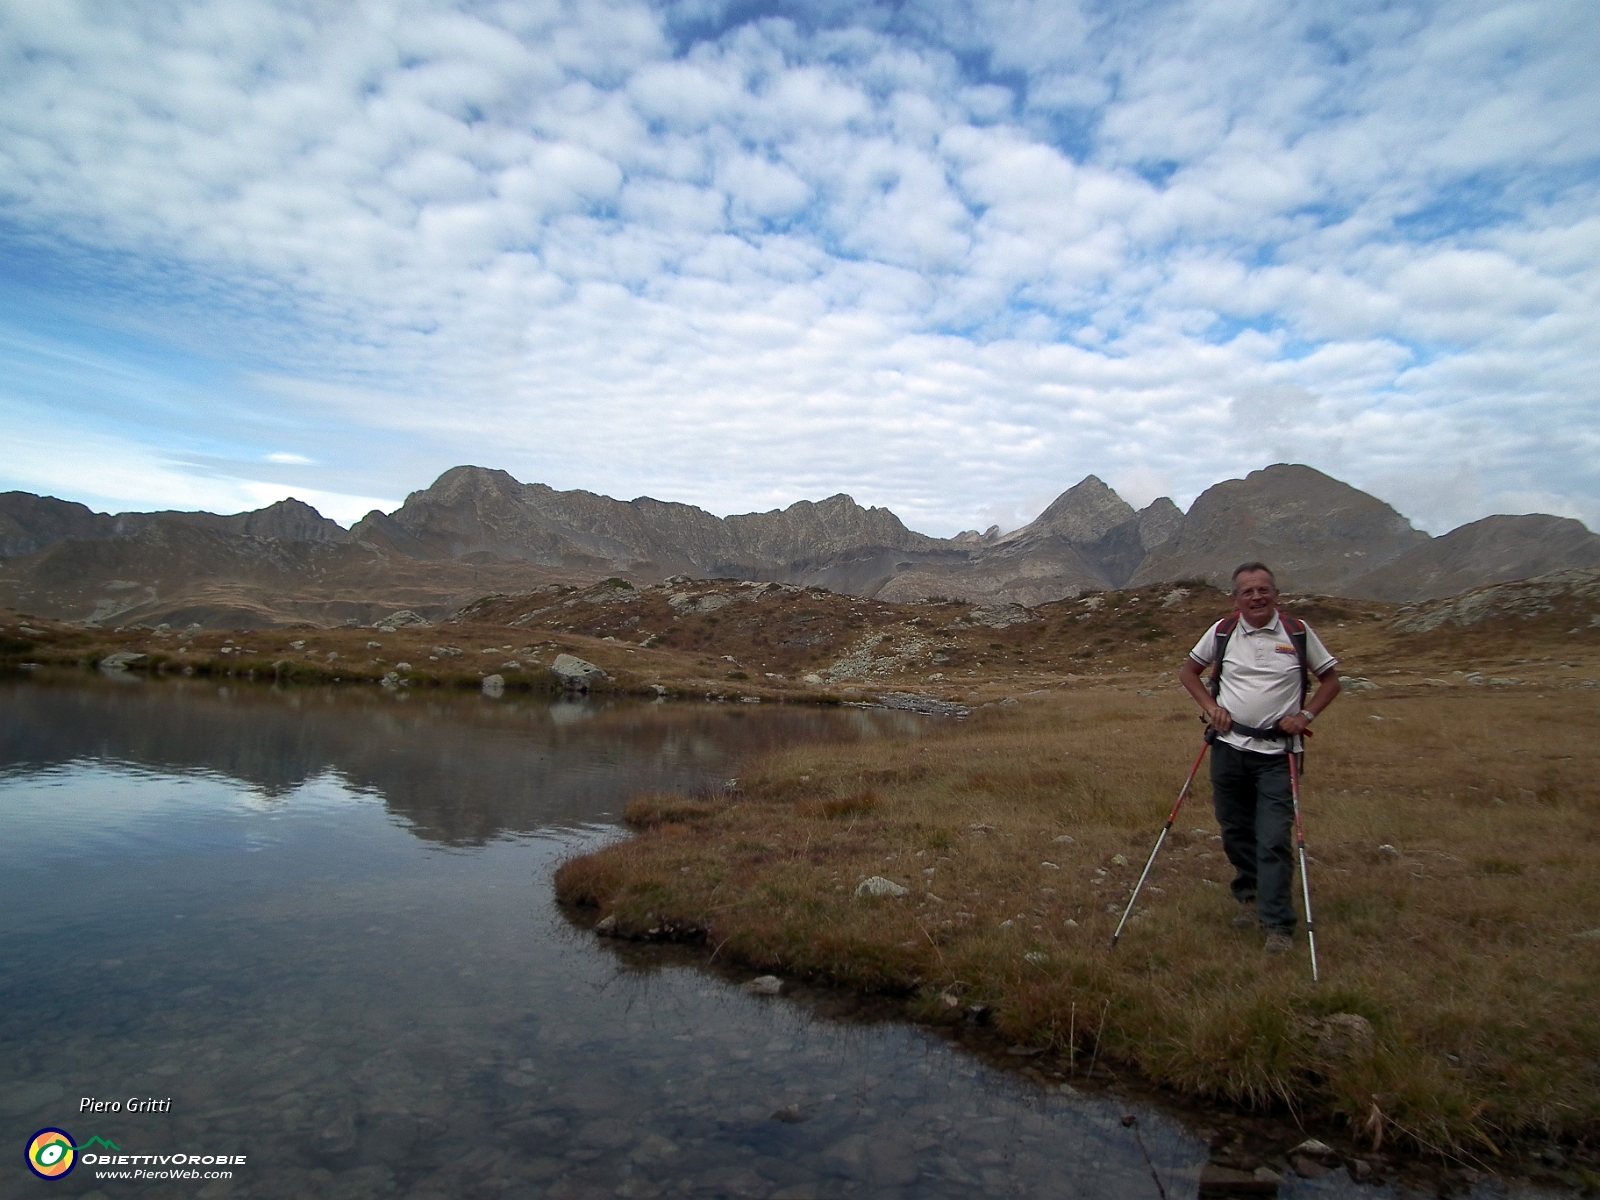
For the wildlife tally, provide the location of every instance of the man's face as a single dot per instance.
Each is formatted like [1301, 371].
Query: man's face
[1255, 596]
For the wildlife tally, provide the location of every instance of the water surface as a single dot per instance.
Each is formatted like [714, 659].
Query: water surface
[321, 923]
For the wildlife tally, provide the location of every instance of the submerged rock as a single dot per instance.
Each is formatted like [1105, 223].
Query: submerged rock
[763, 985]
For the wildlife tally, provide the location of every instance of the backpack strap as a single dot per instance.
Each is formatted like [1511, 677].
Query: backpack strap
[1224, 632]
[1297, 634]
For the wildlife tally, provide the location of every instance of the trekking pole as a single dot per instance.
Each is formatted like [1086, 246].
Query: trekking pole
[1300, 842]
[1165, 829]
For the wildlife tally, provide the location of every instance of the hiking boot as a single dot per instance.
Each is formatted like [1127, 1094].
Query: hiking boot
[1247, 915]
[1278, 942]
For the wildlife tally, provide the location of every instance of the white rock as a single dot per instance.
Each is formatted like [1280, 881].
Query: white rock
[1066, 839]
[406, 617]
[879, 886]
[494, 685]
[120, 661]
[1314, 1148]
[763, 985]
[575, 674]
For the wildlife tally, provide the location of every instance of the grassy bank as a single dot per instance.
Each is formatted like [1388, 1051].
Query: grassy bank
[1019, 834]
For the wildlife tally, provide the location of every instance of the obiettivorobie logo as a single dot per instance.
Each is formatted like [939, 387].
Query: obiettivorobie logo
[52, 1154]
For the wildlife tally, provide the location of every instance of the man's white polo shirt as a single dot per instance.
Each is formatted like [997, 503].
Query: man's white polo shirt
[1261, 677]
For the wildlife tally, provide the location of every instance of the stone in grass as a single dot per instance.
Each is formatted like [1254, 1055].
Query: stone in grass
[1344, 1036]
[575, 674]
[879, 886]
[763, 985]
[606, 926]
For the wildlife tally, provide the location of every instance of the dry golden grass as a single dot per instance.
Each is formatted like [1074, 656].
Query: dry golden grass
[1459, 951]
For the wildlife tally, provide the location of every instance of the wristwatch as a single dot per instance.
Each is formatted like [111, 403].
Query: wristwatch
[1308, 715]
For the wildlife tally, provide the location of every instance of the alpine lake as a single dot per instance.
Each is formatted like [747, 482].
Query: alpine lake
[315, 928]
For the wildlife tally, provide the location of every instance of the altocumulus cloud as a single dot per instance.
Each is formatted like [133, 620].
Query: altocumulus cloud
[949, 257]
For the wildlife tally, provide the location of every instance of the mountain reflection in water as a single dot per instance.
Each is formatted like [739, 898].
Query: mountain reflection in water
[232, 897]
[460, 769]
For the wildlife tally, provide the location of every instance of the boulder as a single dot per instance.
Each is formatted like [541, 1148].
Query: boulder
[879, 886]
[406, 617]
[120, 661]
[575, 674]
[1344, 1037]
[494, 685]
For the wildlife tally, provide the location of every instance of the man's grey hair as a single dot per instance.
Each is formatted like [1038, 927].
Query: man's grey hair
[1253, 566]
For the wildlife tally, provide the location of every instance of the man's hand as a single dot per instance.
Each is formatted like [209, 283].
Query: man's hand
[1189, 675]
[1294, 724]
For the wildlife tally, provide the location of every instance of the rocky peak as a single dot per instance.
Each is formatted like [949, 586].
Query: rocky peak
[1159, 522]
[1316, 533]
[971, 537]
[1493, 550]
[468, 483]
[289, 520]
[1083, 514]
[29, 523]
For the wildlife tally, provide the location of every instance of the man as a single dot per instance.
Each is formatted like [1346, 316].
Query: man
[1258, 708]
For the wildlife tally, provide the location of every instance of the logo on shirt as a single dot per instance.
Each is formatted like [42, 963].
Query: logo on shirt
[1282, 649]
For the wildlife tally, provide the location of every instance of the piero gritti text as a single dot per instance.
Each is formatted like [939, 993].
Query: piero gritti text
[133, 1104]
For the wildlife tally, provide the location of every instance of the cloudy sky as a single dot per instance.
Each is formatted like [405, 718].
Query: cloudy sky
[946, 255]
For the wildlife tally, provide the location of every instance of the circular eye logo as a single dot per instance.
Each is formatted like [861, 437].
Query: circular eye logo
[51, 1153]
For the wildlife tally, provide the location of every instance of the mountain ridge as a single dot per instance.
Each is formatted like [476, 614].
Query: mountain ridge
[481, 528]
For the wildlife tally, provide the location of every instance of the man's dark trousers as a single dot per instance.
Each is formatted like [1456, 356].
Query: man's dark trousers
[1255, 809]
